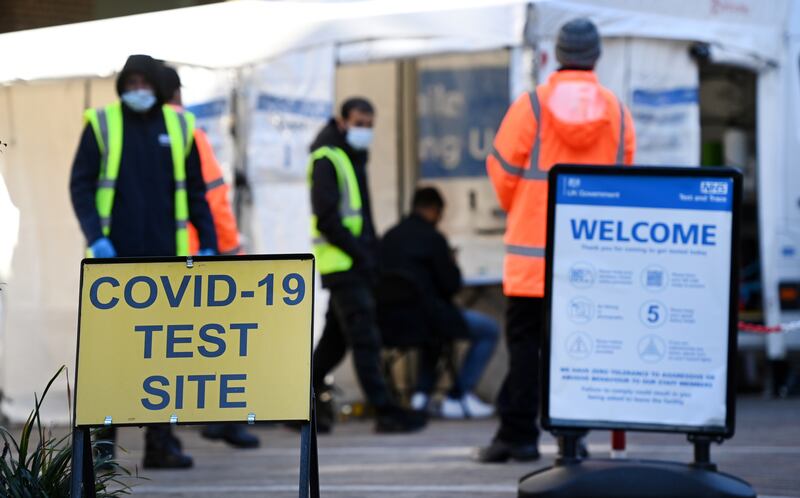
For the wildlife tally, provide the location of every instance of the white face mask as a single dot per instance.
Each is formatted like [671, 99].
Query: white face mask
[139, 100]
[359, 138]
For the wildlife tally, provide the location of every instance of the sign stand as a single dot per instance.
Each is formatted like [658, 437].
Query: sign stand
[607, 478]
[309, 461]
[82, 484]
[622, 360]
[183, 297]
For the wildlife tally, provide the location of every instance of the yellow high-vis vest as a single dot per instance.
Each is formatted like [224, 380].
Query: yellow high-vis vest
[106, 123]
[331, 259]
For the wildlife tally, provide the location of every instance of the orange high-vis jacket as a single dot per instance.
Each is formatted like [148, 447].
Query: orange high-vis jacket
[217, 197]
[569, 119]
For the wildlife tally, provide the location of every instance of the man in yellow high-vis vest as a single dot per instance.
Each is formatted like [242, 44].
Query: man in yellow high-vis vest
[135, 184]
[345, 247]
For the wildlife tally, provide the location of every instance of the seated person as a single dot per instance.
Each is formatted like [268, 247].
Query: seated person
[415, 247]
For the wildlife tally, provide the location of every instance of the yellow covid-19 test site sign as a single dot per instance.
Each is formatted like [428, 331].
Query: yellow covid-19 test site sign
[176, 340]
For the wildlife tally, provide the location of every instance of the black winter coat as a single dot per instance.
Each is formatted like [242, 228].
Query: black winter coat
[325, 198]
[143, 216]
[417, 249]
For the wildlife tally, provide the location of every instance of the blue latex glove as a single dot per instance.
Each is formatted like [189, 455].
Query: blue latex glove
[206, 252]
[103, 248]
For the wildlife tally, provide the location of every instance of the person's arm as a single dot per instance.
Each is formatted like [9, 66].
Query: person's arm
[325, 198]
[217, 197]
[630, 138]
[512, 149]
[83, 186]
[446, 273]
[199, 213]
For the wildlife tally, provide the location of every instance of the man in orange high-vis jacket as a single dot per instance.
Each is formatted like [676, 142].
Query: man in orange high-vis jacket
[216, 188]
[227, 234]
[569, 119]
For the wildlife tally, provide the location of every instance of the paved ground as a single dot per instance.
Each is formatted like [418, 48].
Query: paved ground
[435, 463]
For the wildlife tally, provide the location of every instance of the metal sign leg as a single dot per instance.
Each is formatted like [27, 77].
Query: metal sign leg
[309, 461]
[82, 481]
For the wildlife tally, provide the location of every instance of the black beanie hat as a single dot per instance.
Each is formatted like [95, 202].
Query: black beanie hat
[170, 82]
[578, 44]
[147, 67]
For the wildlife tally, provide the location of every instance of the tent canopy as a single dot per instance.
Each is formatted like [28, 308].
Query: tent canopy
[233, 34]
[239, 33]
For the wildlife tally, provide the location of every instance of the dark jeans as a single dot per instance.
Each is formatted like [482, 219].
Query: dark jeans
[482, 333]
[518, 401]
[350, 322]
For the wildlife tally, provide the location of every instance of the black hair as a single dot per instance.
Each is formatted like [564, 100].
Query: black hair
[169, 82]
[356, 104]
[427, 197]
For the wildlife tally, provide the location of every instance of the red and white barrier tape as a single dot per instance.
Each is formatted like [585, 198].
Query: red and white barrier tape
[771, 329]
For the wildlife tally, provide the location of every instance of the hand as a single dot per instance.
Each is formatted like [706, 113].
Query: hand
[103, 248]
[206, 252]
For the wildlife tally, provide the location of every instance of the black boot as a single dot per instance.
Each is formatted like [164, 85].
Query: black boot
[501, 452]
[161, 451]
[233, 434]
[393, 419]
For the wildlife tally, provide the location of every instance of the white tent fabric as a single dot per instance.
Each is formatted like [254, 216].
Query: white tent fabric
[233, 34]
[752, 28]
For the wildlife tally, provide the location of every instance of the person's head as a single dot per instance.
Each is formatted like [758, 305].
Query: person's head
[578, 45]
[171, 85]
[137, 83]
[428, 204]
[356, 119]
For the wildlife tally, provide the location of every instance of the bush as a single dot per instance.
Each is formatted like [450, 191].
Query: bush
[45, 470]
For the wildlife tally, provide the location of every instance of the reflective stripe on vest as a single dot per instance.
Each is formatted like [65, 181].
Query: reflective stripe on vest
[107, 126]
[330, 258]
[535, 173]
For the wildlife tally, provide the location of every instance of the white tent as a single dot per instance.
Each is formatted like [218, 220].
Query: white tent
[48, 75]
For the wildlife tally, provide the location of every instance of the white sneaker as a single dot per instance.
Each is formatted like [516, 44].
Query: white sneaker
[419, 401]
[476, 408]
[452, 408]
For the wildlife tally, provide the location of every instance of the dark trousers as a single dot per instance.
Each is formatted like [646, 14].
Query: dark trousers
[351, 323]
[518, 401]
[157, 437]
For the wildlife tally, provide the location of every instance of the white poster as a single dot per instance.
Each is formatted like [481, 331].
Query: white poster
[289, 99]
[640, 300]
[208, 94]
[663, 99]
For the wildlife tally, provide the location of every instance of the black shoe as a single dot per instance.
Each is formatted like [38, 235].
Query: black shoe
[233, 434]
[162, 452]
[501, 452]
[398, 420]
[166, 458]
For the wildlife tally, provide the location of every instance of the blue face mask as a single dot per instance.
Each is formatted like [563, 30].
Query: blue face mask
[359, 138]
[139, 100]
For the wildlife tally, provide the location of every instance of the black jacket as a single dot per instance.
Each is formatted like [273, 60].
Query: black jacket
[415, 248]
[325, 198]
[143, 216]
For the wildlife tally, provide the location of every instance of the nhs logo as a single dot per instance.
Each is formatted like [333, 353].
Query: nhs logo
[713, 188]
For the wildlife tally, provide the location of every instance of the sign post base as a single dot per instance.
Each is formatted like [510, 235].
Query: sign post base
[606, 478]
